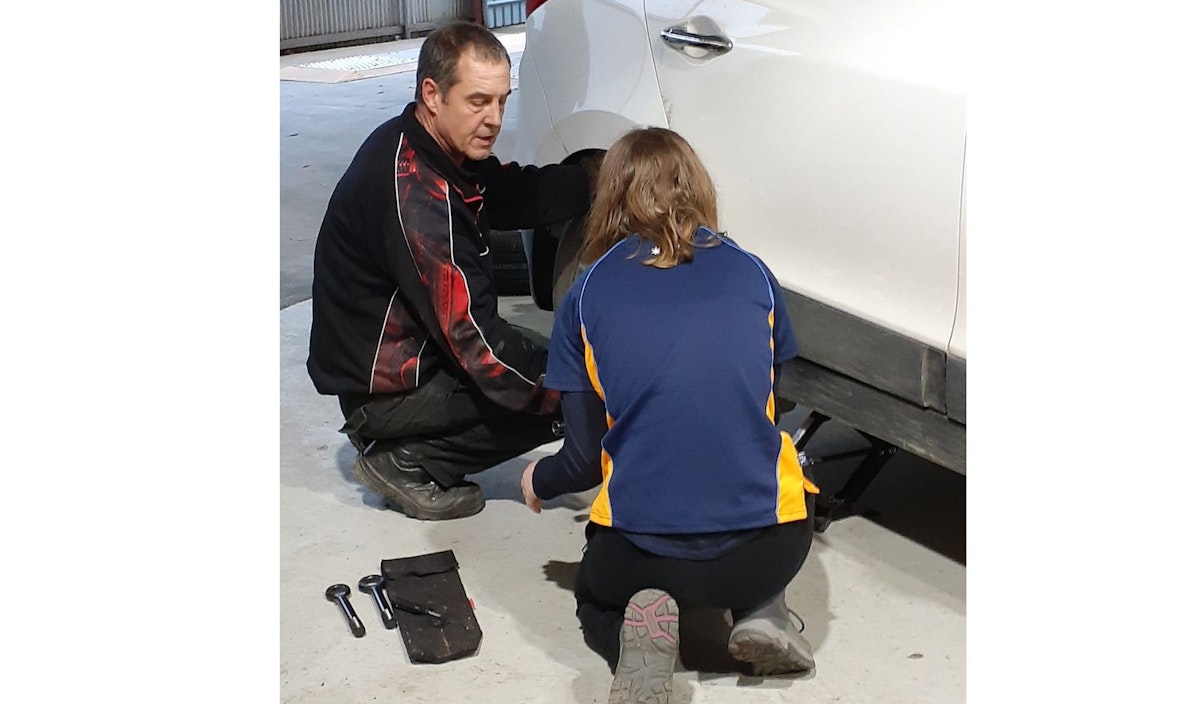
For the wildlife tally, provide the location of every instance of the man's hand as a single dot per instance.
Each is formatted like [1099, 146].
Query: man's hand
[531, 499]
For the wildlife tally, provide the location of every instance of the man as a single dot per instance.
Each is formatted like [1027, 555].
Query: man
[432, 382]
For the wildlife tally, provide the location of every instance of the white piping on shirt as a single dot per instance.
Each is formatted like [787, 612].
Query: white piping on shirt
[767, 279]
[399, 216]
[387, 314]
[450, 230]
[420, 352]
[379, 345]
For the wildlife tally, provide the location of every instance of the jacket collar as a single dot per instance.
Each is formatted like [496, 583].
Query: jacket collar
[431, 152]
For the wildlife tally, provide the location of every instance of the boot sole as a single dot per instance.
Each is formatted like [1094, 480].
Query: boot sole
[767, 656]
[399, 502]
[649, 648]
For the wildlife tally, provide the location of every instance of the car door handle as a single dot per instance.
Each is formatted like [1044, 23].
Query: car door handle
[678, 37]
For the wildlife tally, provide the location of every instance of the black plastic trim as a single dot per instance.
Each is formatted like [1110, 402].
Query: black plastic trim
[922, 431]
[868, 352]
[956, 388]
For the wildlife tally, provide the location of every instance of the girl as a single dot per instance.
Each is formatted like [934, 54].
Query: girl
[666, 350]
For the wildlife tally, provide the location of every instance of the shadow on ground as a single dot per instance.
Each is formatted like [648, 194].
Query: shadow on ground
[910, 497]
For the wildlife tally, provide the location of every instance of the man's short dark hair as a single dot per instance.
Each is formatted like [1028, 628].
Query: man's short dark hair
[446, 45]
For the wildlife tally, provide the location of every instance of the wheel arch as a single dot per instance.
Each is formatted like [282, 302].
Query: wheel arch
[542, 245]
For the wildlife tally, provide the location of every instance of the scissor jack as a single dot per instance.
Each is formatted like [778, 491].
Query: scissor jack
[841, 504]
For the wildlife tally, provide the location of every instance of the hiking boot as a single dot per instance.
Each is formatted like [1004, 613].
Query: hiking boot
[649, 648]
[409, 489]
[766, 638]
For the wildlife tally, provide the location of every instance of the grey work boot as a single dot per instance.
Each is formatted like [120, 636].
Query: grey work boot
[410, 490]
[649, 648]
[766, 638]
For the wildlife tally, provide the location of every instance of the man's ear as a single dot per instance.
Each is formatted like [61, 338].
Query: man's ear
[429, 94]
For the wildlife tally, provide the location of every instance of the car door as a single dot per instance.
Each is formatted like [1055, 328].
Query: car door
[835, 133]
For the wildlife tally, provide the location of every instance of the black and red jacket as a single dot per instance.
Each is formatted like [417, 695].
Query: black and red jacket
[402, 274]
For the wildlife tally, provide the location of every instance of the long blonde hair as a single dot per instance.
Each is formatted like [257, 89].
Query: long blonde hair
[651, 183]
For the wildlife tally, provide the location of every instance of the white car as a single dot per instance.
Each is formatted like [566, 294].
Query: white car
[836, 135]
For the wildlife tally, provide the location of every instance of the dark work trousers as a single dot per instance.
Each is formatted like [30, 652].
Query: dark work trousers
[449, 429]
[614, 569]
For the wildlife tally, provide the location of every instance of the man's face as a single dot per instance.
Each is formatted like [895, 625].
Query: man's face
[467, 121]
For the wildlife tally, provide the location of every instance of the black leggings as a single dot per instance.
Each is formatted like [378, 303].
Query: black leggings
[613, 570]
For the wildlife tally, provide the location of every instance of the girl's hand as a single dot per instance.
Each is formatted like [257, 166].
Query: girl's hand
[531, 499]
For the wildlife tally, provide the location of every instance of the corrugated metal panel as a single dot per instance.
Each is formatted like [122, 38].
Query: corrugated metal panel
[427, 12]
[503, 13]
[328, 21]
[310, 18]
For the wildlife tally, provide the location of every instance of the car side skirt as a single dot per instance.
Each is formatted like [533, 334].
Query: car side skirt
[883, 383]
[922, 431]
[860, 349]
[956, 388]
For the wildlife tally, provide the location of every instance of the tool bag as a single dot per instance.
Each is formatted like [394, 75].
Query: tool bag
[431, 582]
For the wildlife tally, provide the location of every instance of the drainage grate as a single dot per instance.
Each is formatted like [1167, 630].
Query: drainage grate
[367, 63]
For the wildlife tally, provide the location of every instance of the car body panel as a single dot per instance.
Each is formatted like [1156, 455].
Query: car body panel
[592, 102]
[958, 338]
[836, 135]
[535, 142]
[956, 361]
[839, 172]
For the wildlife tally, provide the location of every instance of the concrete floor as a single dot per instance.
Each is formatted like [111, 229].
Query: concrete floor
[884, 598]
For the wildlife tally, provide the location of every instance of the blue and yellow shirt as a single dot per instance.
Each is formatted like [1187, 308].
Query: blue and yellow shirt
[683, 359]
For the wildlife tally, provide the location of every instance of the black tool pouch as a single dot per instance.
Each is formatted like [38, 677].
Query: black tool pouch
[431, 581]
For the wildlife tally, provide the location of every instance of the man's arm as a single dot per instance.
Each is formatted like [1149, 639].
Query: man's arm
[507, 366]
[519, 197]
